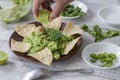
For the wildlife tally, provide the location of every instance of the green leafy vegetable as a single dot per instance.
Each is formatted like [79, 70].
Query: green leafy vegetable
[55, 34]
[98, 33]
[85, 27]
[71, 11]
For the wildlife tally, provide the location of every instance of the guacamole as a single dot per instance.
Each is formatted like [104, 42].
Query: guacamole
[43, 16]
[20, 2]
[54, 39]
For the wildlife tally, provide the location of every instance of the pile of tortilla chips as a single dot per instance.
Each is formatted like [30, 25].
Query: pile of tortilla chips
[45, 56]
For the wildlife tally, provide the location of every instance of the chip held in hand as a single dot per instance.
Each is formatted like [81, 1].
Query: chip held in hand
[43, 16]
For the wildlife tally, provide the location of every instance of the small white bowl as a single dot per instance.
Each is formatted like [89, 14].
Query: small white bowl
[98, 48]
[110, 15]
[75, 3]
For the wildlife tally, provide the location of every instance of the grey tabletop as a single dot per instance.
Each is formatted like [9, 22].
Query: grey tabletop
[17, 67]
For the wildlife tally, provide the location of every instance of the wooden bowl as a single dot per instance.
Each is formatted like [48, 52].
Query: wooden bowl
[17, 37]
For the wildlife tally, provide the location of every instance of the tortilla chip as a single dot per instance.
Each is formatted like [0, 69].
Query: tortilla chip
[56, 23]
[70, 46]
[70, 29]
[39, 29]
[44, 56]
[19, 46]
[25, 30]
[43, 16]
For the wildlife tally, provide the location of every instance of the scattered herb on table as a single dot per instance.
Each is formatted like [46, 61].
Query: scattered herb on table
[99, 34]
[106, 59]
[71, 11]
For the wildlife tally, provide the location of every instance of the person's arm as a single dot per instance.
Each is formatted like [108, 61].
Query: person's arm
[60, 5]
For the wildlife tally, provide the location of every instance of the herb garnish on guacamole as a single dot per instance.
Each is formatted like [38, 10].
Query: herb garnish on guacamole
[54, 39]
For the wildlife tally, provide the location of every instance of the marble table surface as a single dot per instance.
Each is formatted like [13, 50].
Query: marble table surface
[16, 67]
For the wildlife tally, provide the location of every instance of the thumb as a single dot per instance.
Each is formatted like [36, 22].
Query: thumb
[56, 11]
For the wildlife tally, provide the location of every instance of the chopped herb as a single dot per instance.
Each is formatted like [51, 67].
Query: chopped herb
[99, 34]
[71, 11]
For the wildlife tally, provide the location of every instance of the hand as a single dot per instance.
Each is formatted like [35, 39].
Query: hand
[37, 4]
[59, 6]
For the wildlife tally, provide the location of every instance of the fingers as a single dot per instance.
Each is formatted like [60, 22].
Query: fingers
[35, 8]
[60, 5]
[46, 5]
[36, 5]
[56, 11]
